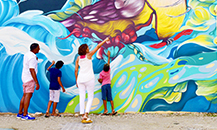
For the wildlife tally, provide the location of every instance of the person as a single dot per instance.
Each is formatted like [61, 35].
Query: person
[55, 83]
[29, 79]
[105, 80]
[85, 80]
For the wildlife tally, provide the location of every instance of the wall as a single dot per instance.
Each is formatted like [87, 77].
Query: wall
[163, 53]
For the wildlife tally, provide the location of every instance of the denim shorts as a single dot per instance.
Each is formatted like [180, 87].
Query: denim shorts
[106, 92]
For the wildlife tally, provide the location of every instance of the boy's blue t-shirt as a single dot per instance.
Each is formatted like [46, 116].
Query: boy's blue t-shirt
[54, 74]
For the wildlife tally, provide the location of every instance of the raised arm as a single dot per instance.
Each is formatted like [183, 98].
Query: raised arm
[53, 62]
[91, 53]
[109, 57]
[76, 70]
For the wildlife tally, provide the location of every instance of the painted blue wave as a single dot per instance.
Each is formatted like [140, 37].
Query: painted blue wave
[45, 30]
[11, 90]
[190, 49]
[190, 102]
[161, 105]
[9, 9]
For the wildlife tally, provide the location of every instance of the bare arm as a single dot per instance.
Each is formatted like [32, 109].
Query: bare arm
[109, 57]
[60, 83]
[53, 62]
[91, 53]
[76, 70]
[33, 73]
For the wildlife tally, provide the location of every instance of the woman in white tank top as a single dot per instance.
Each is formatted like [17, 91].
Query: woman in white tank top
[85, 79]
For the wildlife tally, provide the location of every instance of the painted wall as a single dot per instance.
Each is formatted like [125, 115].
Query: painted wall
[163, 52]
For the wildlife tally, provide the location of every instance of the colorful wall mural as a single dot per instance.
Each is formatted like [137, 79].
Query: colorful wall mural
[163, 52]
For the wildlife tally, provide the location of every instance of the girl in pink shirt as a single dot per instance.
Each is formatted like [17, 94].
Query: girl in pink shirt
[104, 78]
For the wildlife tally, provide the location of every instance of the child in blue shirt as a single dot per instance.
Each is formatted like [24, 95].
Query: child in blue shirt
[54, 89]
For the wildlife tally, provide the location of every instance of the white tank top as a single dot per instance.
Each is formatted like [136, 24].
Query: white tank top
[86, 70]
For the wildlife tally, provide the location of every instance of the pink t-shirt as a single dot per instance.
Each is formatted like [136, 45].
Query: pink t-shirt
[105, 76]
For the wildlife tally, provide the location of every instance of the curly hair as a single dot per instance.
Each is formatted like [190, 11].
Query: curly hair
[82, 50]
[106, 67]
[59, 64]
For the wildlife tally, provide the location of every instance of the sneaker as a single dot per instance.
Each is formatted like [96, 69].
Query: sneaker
[19, 116]
[27, 117]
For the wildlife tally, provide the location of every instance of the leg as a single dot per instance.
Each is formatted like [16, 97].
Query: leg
[48, 108]
[28, 89]
[54, 109]
[109, 97]
[90, 90]
[22, 104]
[81, 97]
[113, 110]
[103, 89]
[27, 98]
[105, 106]
[51, 100]
[112, 105]
[55, 96]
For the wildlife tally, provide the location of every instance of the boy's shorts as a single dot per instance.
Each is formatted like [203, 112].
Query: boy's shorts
[106, 92]
[29, 86]
[54, 95]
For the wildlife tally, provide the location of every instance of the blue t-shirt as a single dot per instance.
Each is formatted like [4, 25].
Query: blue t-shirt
[54, 74]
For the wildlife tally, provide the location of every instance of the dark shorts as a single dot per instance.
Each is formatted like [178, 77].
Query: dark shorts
[106, 92]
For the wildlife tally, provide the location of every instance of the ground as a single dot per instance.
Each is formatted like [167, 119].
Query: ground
[121, 121]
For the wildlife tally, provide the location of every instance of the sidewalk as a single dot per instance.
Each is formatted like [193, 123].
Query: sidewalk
[121, 121]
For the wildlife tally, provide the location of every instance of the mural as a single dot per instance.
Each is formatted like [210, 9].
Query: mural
[163, 53]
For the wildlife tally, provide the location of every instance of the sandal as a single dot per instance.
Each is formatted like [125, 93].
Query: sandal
[84, 117]
[58, 115]
[47, 115]
[105, 114]
[88, 120]
[114, 113]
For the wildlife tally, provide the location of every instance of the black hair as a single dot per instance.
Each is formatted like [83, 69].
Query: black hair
[82, 50]
[106, 67]
[59, 64]
[33, 46]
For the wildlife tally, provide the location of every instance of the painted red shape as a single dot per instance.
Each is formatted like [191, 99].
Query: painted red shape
[133, 39]
[77, 32]
[184, 32]
[126, 38]
[117, 39]
[159, 45]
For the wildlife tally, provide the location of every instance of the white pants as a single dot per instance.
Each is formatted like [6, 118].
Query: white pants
[89, 86]
[54, 95]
